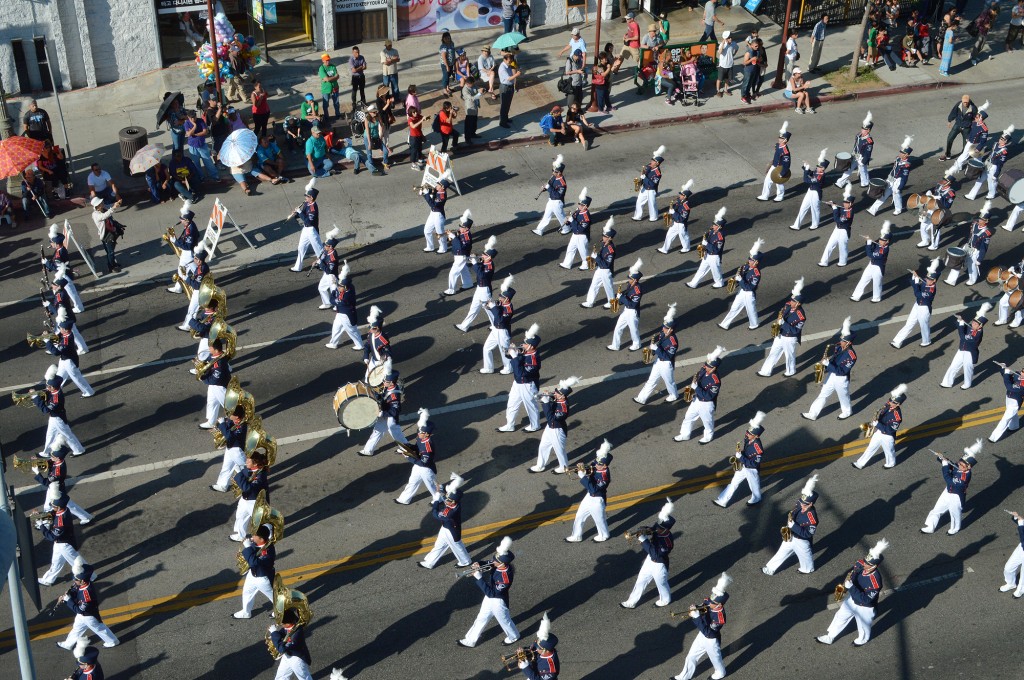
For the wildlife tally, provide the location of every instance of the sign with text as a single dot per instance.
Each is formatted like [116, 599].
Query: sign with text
[422, 17]
[344, 6]
[179, 6]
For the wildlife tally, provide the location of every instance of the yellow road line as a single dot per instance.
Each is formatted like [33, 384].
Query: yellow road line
[488, 532]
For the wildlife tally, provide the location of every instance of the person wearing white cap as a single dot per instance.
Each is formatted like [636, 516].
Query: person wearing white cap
[749, 457]
[877, 256]
[966, 355]
[790, 320]
[556, 413]
[994, 166]
[657, 542]
[650, 179]
[705, 387]
[629, 318]
[1013, 566]
[815, 180]
[957, 477]
[726, 59]
[709, 624]
[897, 179]
[887, 421]
[838, 367]
[596, 482]
[921, 313]
[495, 585]
[749, 278]
[1014, 383]
[664, 346]
[802, 524]
[863, 583]
[576, 42]
[108, 230]
[500, 314]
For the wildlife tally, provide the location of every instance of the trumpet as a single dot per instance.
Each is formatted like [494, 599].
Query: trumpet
[787, 533]
[579, 467]
[39, 465]
[730, 285]
[777, 324]
[615, 301]
[168, 238]
[868, 429]
[819, 368]
[424, 188]
[40, 516]
[39, 341]
[482, 569]
[641, 531]
[521, 654]
[735, 461]
[700, 608]
[25, 398]
[840, 590]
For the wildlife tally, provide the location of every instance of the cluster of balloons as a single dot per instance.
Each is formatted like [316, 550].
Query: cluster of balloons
[228, 42]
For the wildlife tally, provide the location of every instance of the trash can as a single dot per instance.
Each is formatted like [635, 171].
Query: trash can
[131, 140]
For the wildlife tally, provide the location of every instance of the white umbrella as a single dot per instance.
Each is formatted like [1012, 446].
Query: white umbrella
[238, 147]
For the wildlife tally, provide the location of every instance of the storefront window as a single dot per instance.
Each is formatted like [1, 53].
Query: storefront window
[419, 17]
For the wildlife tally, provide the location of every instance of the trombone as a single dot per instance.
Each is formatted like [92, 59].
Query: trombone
[482, 569]
[699, 608]
[25, 398]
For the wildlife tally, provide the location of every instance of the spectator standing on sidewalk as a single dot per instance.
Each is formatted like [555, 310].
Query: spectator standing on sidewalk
[373, 138]
[792, 52]
[576, 72]
[576, 42]
[196, 132]
[523, 15]
[508, 13]
[1016, 28]
[726, 59]
[389, 59]
[947, 47]
[329, 77]
[446, 127]
[817, 42]
[507, 76]
[602, 82]
[37, 123]
[415, 121]
[471, 105]
[630, 44]
[983, 24]
[357, 68]
[260, 108]
[751, 71]
[447, 57]
[710, 19]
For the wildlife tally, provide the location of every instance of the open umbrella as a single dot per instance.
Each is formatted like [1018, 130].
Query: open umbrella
[507, 40]
[238, 147]
[145, 158]
[17, 153]
[165, 107]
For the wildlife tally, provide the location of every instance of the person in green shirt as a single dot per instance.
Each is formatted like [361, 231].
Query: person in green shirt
[329, 84]
[663, 27]
[309, 113]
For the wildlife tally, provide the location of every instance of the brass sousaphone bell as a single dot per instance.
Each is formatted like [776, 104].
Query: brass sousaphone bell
[235, 396]
[209, 291]
[257, 439]
[262, 514]
[285, 599]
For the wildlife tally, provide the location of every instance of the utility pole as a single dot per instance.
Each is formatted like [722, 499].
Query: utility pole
[21, 638]
[782, 48]
[213, 46]
[597, 52]
[855, 64]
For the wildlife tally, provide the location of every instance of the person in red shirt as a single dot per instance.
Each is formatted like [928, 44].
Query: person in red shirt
[415, 120]
[631, 44]
[446, 124]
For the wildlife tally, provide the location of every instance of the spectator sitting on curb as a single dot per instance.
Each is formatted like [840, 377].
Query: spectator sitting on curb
[185, 176]
[33, 191]
[344, 148]
[309, 113]
[293, 132]
[554, 126]
[796, 90]
[270, 158]
[7, 210]
[246, 168]
[578, 126]
[317, 162]
[160, 183]
[488, 72]
[102, 184]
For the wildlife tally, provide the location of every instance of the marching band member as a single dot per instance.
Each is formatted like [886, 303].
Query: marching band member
[886, 422]
[234, 429]
[556, 412]
[791, 320]
[61, 532]
[52, 404]
[484, 268]
[897, 180]
[838, 367]
[327, 262]
[605, 267]
[664, 345]
[1003, 306]
[1015, 562]
[1011, 219]
[290, 642]
[545, 664]
[84, 602]
[1014, 383]
[863, 145]
[65, 349]
[978, 242]
[921, 312]
[966, 355]
[780, 159]
[579, 224]
[447, 509]
[62, 301]
[259, 553]
[216, 376]
[651, 178]
[435, 196]
[706, 385]
[750, 459]
[657, 542]
[864, 582]
[60, 264]
[495, 587]
[555, 207]
[977, 138]
[251, 480]
[87, 658]
[342, 296]
[840, 237]
[993, 168]
[462, 248]
[814, 179]
[500, 336]
[679, 211]
[525, 365]
[200, 325]
[629, 316]
[709, 624]
[713, 244]
[954, 495]
[194, 278]
[186, 241]
[308, 216]
[57, 472]
[424, 465]
[802, 523]
[377, 349]
[944, 196]
[387, 416]
[877, 254]
[593, 504]
[748, 277]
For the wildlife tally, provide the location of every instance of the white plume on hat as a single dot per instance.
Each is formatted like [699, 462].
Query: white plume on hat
[879, 548]
[375, 313]
[80, 646]
[885, 229]
[907, 141]
[545, 627]
[62, 315]
[333, 233]
[1008, 131]
[58, 441]
[983, 107]
[454, 482]
[756, 248]
[900, 390]
[660, 151]
[821, 156]
[559, 160]
[986, 208]
[604, 449]
[723, 582]
[51, 372]
[848, 191]
[337, 674]
[533, 330]
[867, 120]
[757, 419]
[52, 492]
[491, 244]
[505, 547]
[571, 381]
[716, 353]
[720, 215]
[974, 449]
[950, 171]
[688, 186]
[77, 567]
[635, 269]
[54, 230]
[311, 184]
[984, 309]
[424, 417]
[670, 315]
[933, 268]
[666, 510]
[809, 485]
[583, 195]
[798, 286]
[198, 250]
[785, 126]
[608, 225]
[344, 270]
[507, 283]
[388, 367]
[845, 330]
[466, 216]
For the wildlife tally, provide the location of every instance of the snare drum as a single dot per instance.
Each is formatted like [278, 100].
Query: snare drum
[914, 201]
[941, 218]
[877, 188]
[994, 276]
[974, 168]
[955, 257]
[843, 161]
[1011, 185]
[930, 204]
[1016, 299]
[355, 406]
[375, 378]
[1005, 274]
[1011, 284]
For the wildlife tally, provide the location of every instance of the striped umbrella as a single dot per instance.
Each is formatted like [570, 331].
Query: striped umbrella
[146, 157]
[17, 153]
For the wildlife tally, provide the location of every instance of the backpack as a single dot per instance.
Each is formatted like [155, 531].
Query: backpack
[436, 124]
[545, 123]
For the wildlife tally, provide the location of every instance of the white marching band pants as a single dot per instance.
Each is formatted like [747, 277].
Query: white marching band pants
[833, 383]
[602, 279]
[712, 264]
[67, 369]
[594, 508]
[1011, 221]
[663, 371]
[55, 426]
[420, 475]
[292, 666]
[552, 440]
[76, 301]
[193, 305]
[1003, 307]
[884, 442]
[243, 513]
[677, 230]
[628, 318]
[961, 360]
[1009, 421]
[445, 542]
[705, 411]
[342, 324]
[203, 350]
[780, 346]
[749, 475]
[214, 402]
[850, 610]
[481, 296]
[79, 340]
[797, 546]
[578, 244]
[744, 300]
[234, 459]
[253, 585]
[766, 190]
[63, 554]
[839, 239]
[701, 646]
[948, 502]
[554, 208]
[522, 394]
[891, 189]
[496, 607]
[1012, 569]
[873, 275]
[812, 204]
[83, 623]
[862, 171]
[434, 226]
[651, 571]
[380, 426]
[309, 239]
[497, 339]
[458, 275]
[646, 197]
[921, 316]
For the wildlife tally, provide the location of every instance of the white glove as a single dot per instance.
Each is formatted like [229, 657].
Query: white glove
[477, 576]
[859, 158]
[273, 628]
[545, 399]
[513, 353]
[46, 306]
[581, 474]
[643, 538]
[694, 614]
[848, 585]
[806, 166]
[42, 261]
[246, 543]
[874, 423]
[380, 414]
[704, 242]
[653, 346]
[523, 664]
[789, 524]
[694, 384]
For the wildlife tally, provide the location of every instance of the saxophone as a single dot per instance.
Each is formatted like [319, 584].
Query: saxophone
[735, 461]
[637, 183]
[819, 368]
[730, 285]
[701, 248]
[868, 429]
[592, 261]
[689, 392]
[647, 354]
[777, 324]
[787, 533]
[840, 590]
[668, 218]
[615, 301]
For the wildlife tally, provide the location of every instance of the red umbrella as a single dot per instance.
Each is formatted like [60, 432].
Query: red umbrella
[17, 153]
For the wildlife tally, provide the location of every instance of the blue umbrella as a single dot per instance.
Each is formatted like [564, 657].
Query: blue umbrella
[507, 40]
[239, 147]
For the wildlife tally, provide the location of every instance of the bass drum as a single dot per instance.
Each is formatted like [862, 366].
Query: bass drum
[973, 169]
[955, 257]
[877, 189]
[941, 218]
[843, 161]
[1016, 299]
[1011, 185]
[355, 406]
[994, 276]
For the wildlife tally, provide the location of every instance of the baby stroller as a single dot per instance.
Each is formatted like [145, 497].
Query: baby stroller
[687, 86]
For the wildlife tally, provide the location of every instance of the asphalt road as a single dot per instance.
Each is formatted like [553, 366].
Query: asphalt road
[159, 541]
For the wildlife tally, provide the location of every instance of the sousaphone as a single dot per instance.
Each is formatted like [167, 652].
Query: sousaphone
[256, 440]
[235, 396]
[209, 291]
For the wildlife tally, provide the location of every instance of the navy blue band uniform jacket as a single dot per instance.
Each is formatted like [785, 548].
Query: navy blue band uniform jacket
[793, 321]
[889, 420]
[651, 178]
[234, 435]
[957, 480]
[64, 347]
[292, 642]
[84, 600]
[596, 483]
[61, 530]
[544, 666]
[781, 156]
[844, 218]
[970, 340]
[526, 369]
[666, 345]
[425, 454]
[680, 211]
[260, 560]
[309, 215]
[865, 587]
[659, 544]
[864, 146]
[52, 404]
[556, 187]
[804, 523]
[750, 278]
[497, 583]
[842, 361]
[708, 385]
[924, 293]
[450, 517]
[251, 482]
[751, 454]
[556, 412]
[631, 296]
[711, 622]
[378, 348]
